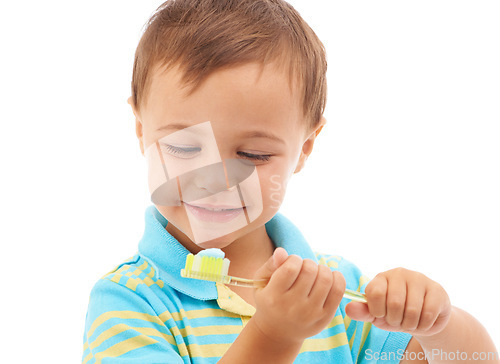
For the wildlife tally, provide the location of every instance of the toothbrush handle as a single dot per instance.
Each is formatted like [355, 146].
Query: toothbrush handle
[354, 295]
[243, 282]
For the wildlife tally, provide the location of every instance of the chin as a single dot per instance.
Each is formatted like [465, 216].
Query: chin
[219, 242]
[211, 245]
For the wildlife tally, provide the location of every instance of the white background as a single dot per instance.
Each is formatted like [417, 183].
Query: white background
[405, 173]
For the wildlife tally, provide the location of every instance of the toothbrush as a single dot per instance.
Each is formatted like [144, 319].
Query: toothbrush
[210, 265]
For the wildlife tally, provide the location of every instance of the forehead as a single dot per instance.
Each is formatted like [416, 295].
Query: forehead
[247, 74]
[249, 92]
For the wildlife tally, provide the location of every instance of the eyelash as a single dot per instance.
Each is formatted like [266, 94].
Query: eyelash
[177, 151]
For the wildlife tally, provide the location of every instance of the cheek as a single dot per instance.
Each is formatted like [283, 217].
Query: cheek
[273, 189]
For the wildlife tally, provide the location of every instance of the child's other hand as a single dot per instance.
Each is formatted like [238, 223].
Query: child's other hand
[300, 299]
[403, 300]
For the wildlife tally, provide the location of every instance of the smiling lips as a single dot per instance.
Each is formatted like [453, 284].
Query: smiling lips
[212, 213]
[215, 208]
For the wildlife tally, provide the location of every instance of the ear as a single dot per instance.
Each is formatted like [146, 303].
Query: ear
[307, 147]
[138, 124]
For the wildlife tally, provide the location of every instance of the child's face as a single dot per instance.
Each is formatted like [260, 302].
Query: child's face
[210, 149]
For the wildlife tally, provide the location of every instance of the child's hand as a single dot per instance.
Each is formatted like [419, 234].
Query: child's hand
[300, 299]
[403, 300]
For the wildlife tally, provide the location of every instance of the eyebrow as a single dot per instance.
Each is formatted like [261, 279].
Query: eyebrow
[262, 134]
[173, 127]
[250, 134]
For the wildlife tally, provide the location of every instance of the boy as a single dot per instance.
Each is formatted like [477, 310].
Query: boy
[229, 98]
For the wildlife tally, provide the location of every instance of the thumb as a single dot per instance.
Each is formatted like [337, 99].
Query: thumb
[358, 311]
[273, 263]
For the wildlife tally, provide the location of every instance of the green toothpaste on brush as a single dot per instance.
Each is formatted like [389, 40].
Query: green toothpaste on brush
[210, 265]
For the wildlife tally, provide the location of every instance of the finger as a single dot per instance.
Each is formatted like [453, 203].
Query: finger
[430, 311]
[321, 286]
[336, 292]
[273, 263]
[376, 293]
[413, 306]
[285, 276]
[358, 311]
[396, 299]
[306, 278]
[280, 255]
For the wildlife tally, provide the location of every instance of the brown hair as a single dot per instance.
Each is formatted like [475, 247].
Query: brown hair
[202, 36]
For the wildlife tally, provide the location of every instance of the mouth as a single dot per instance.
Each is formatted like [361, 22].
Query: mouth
[211, 213]
[216, 208]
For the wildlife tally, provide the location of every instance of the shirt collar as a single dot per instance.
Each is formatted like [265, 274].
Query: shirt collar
[168, 255]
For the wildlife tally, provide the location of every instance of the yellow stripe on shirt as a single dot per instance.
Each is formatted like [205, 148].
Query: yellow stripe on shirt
[324, 344]
[124, 347]
[122, 315]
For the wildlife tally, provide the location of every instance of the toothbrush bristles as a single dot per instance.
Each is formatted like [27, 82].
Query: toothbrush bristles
[205, 276]
[206, 268]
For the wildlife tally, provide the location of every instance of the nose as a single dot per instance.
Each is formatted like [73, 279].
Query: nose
[211, 178]
[203, 182]
[222, 176]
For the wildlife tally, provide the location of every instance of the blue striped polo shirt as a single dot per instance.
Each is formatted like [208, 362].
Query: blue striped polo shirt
[144, 312]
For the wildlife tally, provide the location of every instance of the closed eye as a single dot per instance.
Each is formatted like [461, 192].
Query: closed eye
[260, 157]
[185, 152]
[189, 152]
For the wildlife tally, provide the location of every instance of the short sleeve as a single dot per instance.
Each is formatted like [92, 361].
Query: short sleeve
[121, 327]
[368, 343]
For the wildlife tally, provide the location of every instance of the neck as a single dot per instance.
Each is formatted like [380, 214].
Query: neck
[249, 252]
